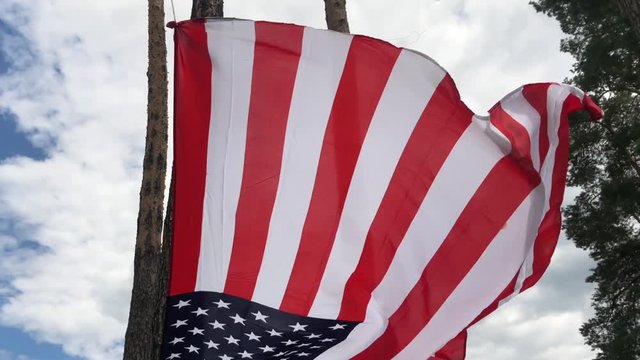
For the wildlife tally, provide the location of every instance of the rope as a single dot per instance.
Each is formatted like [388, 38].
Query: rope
[173, 10]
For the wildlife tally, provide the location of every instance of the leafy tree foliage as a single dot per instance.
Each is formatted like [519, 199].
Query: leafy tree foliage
[605, 163]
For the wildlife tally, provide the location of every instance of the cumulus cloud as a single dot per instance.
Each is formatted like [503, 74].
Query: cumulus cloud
[77, 89]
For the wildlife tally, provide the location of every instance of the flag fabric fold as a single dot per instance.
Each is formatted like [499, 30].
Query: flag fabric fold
[336, 199]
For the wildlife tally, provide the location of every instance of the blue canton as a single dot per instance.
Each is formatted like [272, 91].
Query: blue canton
[215, 326]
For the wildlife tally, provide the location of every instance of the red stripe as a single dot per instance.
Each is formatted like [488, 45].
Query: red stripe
[517, 135]
[499, 195]
[367, 69]
[276, 57]
[544, 242]
[594, 110]
[455, 349]
[536, 95]
[549, 229]
[192, 115]
[440, 126]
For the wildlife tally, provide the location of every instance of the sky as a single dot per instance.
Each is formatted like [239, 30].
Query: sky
[72, 121]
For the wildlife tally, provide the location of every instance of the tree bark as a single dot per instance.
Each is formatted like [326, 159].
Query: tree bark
[141, 341]
[631, 10]
[336, 15]
[200, 9]
[206, 8]
[165, 261]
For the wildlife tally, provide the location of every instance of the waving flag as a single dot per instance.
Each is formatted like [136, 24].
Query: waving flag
[336, 199]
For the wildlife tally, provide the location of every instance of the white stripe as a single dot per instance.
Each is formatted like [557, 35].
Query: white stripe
[517, 106]
[525, 270]
[482, 284]
[573, 90]
[493, 133]
[469, 162]
[231, 45]
[323, 57]
[409, 88]
[466, 167]
[360, 337]
[556, 95]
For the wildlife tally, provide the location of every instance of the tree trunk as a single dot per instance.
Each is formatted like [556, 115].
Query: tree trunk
[336, 15]
[631, 10]
[200, 9]
[206, 8]
[165, 261]
[144, 313]
[152, 258]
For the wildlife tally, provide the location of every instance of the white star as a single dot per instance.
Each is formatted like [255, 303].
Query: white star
[182, 304]
[225, 357]
[303, 354]
[315, 347]
[312, 336]
[173, 356]
[192, 348]
[179, 323]
[298, 327]
[237, 319]
[217, 325]
[336, 327]
[267, 348]
[303, 345]
[200, 312]
[253, 336]
[280, 354]
[222, 304]
[289, 342]
[260, 316]
[211, 344]
[176, 340]
[232, 340]
[196, 331]
[273, 332]
[245, 354]
[327, 340]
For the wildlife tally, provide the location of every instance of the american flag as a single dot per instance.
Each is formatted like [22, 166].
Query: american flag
[327, 180]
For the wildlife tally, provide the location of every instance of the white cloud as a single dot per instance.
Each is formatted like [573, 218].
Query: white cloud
[83, 94]
[79, 90]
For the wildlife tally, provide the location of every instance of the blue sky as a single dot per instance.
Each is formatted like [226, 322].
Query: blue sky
[17, 343]
[14, 143]
[73, 81]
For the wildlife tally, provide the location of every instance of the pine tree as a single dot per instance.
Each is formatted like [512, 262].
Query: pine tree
[631, 10]
[604, 38]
